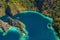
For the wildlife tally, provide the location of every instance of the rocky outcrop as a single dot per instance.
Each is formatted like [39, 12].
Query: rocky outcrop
[17, 24]
[4, 25]
[14, 23]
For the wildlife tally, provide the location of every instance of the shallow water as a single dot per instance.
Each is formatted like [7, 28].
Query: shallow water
[36, 25]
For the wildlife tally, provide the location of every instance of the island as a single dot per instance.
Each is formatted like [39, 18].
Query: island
[14, 23]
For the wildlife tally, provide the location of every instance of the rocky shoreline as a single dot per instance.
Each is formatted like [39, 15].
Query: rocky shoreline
[50, 8]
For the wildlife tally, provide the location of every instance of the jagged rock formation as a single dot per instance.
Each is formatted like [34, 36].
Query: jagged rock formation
[17, 24]
[11, 22]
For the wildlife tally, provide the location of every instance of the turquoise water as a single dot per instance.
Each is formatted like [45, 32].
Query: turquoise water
[36, 25]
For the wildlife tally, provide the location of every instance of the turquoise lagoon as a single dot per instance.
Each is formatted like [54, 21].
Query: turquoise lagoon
[36, 25]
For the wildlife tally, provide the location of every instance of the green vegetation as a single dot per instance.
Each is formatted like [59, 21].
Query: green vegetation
[53, 9]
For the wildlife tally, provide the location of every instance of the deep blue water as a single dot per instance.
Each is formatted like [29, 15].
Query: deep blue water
[36, 26]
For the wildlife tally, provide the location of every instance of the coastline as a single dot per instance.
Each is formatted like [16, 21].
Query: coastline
[48, 18]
